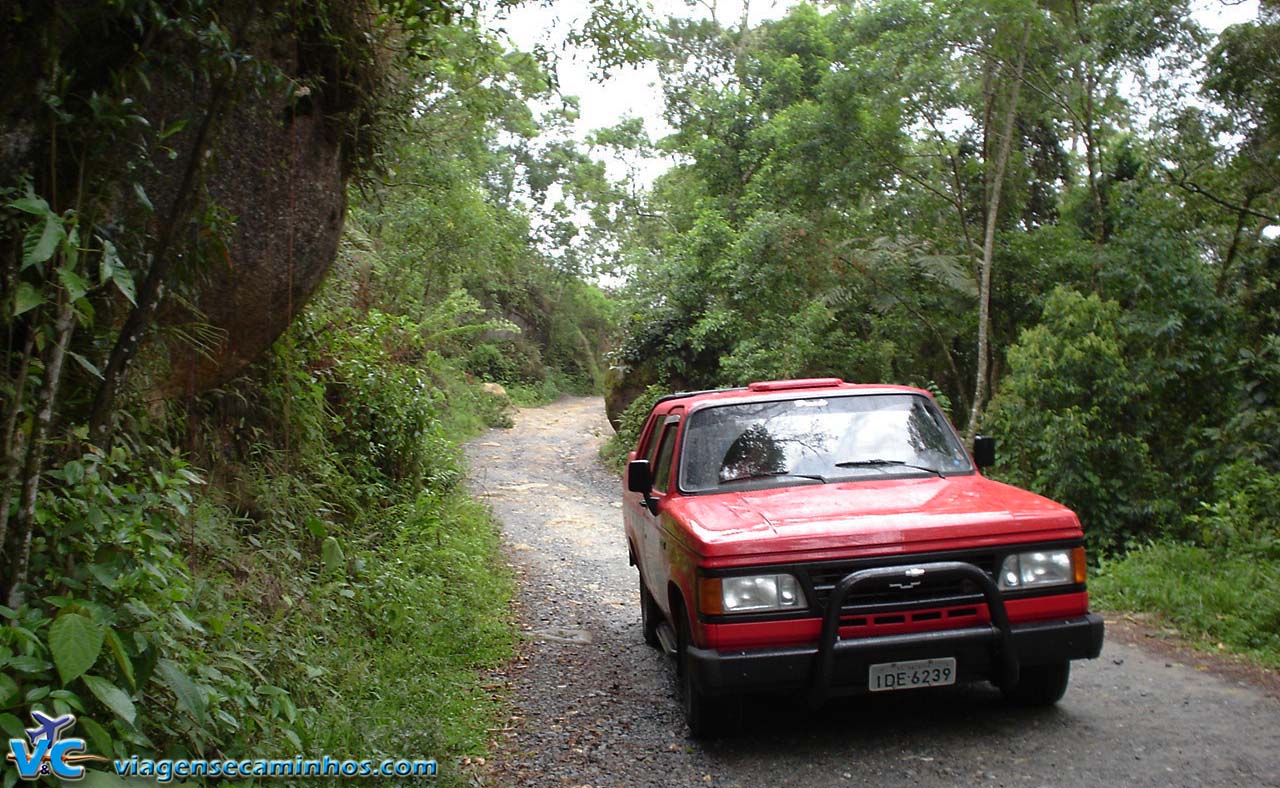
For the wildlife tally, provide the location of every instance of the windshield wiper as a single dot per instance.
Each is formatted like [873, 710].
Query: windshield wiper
[882, 463]
[773, 474]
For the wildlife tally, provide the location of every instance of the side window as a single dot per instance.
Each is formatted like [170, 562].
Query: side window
[652, 455]
[662, 473]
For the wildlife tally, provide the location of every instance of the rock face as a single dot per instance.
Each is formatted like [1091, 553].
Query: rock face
[278, 132]
[284, 181]
[622, 388]
[278, 167]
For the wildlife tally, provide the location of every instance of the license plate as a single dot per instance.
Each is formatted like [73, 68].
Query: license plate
[909, 675]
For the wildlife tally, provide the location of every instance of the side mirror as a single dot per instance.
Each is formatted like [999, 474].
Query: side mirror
[984, 451]
[639, 477]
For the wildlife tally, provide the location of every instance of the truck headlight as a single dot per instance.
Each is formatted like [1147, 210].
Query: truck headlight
[750, 594]
[1038, 568]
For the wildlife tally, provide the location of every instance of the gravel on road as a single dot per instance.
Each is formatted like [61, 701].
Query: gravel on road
[591, 705]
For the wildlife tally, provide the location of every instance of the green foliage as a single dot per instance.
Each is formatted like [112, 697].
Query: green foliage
[1074, 417]
[1243, 518]
[331, 562]
[1215, 596]
[143, 653]
[1252, 433]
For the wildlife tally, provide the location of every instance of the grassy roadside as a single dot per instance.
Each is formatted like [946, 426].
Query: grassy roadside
[428, 614]
[374, 602]
[1212, 596]
[425, 614]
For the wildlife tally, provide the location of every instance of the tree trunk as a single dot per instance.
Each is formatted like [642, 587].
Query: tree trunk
[989, 242]
[1092, 157]
[1229, 258]
[14, 444]
[64, 327]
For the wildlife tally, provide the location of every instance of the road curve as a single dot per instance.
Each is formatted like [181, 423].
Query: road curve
[591, 705]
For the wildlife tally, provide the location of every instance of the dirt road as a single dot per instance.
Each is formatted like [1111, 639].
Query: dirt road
[593, 706]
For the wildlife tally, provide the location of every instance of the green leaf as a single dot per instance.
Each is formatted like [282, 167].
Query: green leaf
[112, 697]
[70, 698]
[190, 696]
[331, 554]
[317, 528]
[172, 129]
[108, 262]
[71, 250]
[11, 725]
[38, 249]
[31, 204]
[26, 664]
[143, 198]
[8, 691]
[26, 298]
[75, 642]
[122, 657]
[86, 364]
[124, 283]
[185, 621]
[74, 283]
[98, 735]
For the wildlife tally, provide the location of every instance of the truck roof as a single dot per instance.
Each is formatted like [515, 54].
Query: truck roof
[770, 389]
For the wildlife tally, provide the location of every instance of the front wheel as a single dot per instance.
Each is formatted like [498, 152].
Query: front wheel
[706, 715]
[1040, 685]
[650, 616]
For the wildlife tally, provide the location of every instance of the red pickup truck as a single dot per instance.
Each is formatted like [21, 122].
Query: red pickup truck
[828, 538]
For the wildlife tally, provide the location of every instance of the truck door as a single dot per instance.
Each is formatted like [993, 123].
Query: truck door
[654, 539]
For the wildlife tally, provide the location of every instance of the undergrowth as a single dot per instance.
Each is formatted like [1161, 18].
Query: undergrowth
[1213, 596]
[325, 587]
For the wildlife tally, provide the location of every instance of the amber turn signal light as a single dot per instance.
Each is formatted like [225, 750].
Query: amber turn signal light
[710, 595]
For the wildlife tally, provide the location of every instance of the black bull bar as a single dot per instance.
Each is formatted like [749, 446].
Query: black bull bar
[998, 632]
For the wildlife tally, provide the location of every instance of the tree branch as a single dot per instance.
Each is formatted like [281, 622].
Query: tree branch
[1195, 188]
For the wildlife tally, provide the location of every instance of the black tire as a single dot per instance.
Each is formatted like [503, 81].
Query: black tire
[1040, 685]
[650, 616]
[707, 716]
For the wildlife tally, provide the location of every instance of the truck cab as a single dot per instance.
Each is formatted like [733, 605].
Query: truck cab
[830, 538]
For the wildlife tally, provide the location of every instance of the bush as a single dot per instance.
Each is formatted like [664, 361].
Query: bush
[1244, 518]
[151, 655]
[1072, 416]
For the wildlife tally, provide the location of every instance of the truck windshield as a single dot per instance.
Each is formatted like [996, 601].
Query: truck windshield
[834, 438]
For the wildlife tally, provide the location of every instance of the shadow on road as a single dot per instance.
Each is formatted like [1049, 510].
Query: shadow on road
[775, 725]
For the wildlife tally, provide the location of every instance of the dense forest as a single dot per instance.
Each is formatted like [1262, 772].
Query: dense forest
[258, 265]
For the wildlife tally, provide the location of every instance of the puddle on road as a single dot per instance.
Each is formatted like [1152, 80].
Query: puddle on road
[523, 487]
[560, 635]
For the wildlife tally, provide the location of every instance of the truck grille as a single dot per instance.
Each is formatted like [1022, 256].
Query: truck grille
[882, 596]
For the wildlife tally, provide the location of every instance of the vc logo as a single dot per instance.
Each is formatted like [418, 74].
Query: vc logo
[49, 753]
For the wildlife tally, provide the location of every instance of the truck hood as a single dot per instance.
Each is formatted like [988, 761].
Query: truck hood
[868, 517]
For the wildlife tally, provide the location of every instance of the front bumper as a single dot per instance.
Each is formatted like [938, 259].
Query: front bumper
[994, 651]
